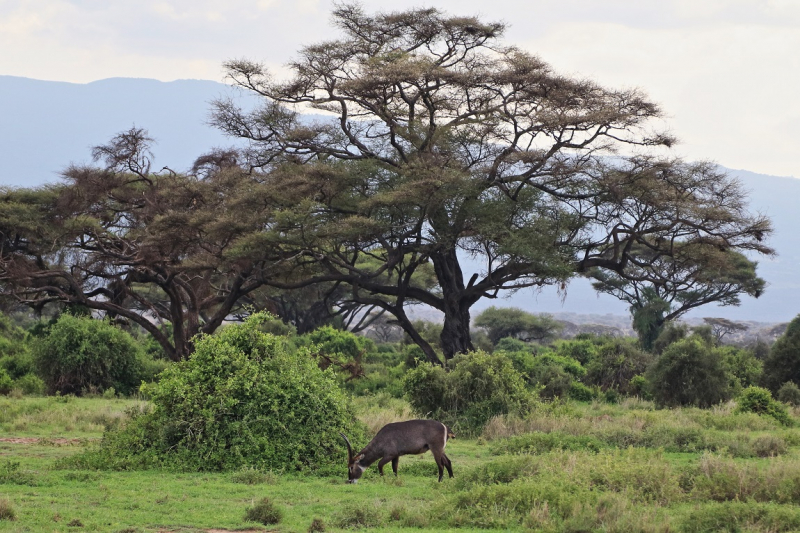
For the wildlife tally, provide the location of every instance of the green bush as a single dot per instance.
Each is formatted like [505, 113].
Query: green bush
[510, 344]
[580, 392]
[554, 374]
[789, 393]
[783, 362]
[6, 383]
[769, 446]
[264, 512]
[689, 372]
[582, 348]
[339, 344]
[81, 354]
[478, 387]
[759, 400]
[379, 378]
[244, 397]
[614, 364]
[15, 356]
[552, 379]
[742, 365]
[30, 384]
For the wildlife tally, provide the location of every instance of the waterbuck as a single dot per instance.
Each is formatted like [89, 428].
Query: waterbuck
[401, 438]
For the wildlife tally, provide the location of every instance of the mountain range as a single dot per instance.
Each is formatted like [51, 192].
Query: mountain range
[46, 125]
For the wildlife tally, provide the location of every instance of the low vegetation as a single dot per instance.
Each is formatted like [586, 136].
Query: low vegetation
[571, 435]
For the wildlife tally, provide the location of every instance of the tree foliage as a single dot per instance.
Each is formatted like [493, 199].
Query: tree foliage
[783, 362]
[153, 248]
[444, 141]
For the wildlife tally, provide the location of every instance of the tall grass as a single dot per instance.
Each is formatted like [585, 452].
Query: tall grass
[61, 416]
[380, 409]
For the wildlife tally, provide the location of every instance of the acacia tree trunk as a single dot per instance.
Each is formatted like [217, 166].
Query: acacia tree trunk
[455, 332]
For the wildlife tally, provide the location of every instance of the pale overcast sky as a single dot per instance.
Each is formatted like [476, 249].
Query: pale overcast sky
[727, 72]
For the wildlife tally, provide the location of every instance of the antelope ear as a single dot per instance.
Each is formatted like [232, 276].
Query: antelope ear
[358, 457]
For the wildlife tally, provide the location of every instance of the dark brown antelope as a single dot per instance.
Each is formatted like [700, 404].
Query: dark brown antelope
[401, 438]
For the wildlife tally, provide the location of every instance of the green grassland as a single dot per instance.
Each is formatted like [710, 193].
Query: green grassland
[565, 467]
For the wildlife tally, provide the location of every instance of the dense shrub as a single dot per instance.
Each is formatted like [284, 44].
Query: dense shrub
[244, 397]
[614, 364]
[478, 387]
[81, 354]
[554, 375]
[582, 348]
[339, 344]
[510, 344]
[672, 333]
[759, 400]
[30, 384]
[689, 372]
[264, 512]
[6, 383]
[552, 379]
[15, 356]
[783, 362]
[789, 393]
[580, 392]
[769, 446]
[379, 378]
[744, 368]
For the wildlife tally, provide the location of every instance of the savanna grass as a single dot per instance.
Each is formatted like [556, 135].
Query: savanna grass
[62, 416]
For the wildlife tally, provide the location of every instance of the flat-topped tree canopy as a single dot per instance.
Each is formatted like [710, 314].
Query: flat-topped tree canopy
[438, 141]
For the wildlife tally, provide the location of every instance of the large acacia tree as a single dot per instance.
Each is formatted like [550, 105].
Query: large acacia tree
[437, 141]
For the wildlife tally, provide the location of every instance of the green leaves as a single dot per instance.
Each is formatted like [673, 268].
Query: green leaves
[244, 397]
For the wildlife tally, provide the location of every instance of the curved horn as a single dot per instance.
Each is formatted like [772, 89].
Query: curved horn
[349, 447]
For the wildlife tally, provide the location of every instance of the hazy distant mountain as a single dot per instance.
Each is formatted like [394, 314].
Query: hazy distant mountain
[46, 125]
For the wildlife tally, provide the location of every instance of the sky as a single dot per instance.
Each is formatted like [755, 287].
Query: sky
[726, 72]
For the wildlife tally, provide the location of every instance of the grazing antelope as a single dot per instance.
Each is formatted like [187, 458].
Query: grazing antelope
[401, 438]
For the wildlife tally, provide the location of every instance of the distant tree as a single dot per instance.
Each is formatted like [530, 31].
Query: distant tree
[500, 322]
[662, 284]
[722, 326]
[444, 142]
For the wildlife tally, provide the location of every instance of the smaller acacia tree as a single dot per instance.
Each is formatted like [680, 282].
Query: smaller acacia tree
[661, 286]
[153, 248]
